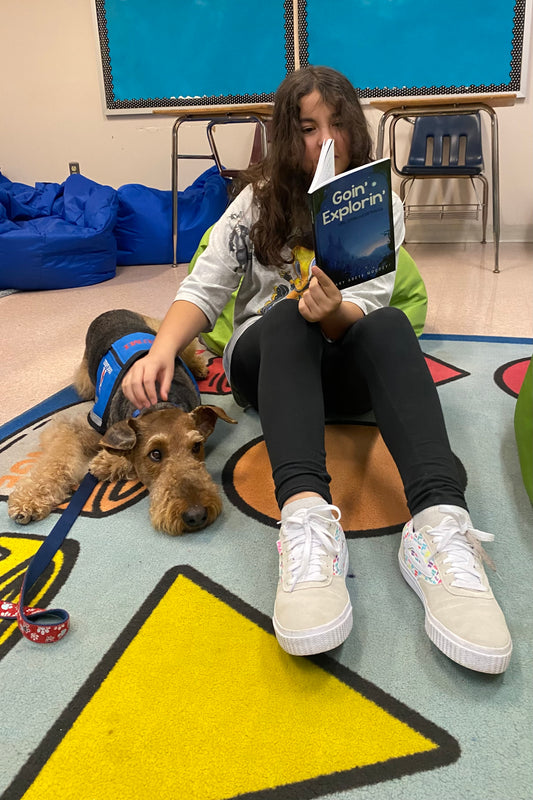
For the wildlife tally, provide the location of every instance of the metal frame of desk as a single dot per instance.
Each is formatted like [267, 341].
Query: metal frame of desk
[259, 113]
[461, 105]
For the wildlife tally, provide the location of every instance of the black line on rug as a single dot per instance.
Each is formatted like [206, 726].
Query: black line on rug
[447, 750]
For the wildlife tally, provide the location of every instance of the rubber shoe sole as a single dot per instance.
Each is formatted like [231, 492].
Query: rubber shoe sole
[490, 661]
[316, 640]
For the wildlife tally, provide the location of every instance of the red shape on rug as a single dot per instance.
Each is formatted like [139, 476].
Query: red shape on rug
[441, 372]
[216, 381]
[510, 376]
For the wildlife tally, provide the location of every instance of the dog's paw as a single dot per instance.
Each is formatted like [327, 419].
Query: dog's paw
[196, 359]
[111, 467]
[201, 370]
[25, 510]
[34, 499]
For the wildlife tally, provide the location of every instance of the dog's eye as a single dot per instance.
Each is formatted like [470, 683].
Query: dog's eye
[195, 449]
[155, 455]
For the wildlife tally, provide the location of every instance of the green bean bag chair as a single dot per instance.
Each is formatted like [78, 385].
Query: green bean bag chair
[523, 426]
[409, 294]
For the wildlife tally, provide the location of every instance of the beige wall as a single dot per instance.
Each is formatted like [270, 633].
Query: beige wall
[52, 113]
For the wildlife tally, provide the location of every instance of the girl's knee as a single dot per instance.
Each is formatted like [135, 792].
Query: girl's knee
[389, 315]
[387, 322]
[386, 333]
[286, 311]
[284, 329]
[284, 319]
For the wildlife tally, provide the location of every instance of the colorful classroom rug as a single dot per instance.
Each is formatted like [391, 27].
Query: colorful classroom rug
[170, 683]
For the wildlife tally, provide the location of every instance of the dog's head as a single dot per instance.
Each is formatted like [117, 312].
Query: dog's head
[164, 449]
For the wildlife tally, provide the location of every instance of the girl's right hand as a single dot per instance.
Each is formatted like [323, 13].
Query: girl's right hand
[183, 321]
[139, 384]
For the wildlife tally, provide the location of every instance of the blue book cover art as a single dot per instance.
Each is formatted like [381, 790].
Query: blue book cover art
[353, 224]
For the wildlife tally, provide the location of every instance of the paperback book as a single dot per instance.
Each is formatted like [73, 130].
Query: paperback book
[353, 224]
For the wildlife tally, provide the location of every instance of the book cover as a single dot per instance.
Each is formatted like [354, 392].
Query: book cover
[352, 217]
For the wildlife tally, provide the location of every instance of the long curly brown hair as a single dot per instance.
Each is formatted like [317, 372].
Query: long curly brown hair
[279, 182]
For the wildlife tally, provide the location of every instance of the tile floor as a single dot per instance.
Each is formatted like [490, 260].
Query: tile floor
[42, 333]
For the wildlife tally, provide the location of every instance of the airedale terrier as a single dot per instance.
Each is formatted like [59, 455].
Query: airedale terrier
[163, 447]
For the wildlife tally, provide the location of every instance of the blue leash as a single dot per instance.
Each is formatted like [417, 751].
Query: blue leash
[31, 621]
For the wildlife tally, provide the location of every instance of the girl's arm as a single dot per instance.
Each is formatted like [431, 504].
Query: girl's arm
[183, 321]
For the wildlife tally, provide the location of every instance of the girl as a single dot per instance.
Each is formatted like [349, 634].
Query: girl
[297, 356]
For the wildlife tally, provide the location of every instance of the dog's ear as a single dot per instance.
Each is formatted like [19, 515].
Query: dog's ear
[205, 418]
[120, 436]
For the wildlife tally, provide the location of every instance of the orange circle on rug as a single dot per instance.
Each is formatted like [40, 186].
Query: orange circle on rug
[365, 482]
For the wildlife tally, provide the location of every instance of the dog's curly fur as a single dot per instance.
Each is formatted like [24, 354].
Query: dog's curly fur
[163, 448]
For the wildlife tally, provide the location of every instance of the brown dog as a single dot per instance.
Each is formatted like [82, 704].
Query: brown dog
[163, 447]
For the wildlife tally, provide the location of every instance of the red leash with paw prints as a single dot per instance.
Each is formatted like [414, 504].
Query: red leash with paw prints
[38, 624]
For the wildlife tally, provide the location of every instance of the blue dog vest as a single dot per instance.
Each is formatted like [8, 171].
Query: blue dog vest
[111, 369]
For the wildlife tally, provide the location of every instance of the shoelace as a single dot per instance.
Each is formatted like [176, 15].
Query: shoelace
[310, 536]
[463, 549]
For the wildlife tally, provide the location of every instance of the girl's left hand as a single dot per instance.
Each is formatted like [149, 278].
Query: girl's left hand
[321, 298]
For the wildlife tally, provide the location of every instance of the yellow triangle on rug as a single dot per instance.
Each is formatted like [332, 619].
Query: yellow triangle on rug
[201, 702]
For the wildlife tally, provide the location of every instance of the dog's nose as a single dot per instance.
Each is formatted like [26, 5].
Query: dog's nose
[195, 517]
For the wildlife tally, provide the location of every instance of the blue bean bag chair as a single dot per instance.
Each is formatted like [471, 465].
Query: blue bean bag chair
[144, 223]
[56, 236]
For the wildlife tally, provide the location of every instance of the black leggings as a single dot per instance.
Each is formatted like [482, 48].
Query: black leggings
[295, 378]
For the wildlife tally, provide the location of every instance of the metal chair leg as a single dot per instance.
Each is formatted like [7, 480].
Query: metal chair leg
[484, 205]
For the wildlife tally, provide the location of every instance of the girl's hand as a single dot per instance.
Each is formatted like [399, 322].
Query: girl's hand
[183, 321]
[321, 299]
[139, 384]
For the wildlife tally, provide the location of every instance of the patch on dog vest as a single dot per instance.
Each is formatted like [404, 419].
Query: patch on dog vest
[111, 369]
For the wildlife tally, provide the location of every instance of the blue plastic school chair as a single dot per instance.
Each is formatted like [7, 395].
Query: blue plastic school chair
[446, 146]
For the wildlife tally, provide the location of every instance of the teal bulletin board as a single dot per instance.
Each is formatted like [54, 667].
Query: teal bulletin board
[409, 47]
[167, 53]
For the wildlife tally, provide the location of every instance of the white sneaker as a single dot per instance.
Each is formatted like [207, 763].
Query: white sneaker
[442, 562]
[312, 612]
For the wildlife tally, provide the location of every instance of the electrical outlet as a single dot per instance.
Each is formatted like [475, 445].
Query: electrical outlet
[74, 167]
